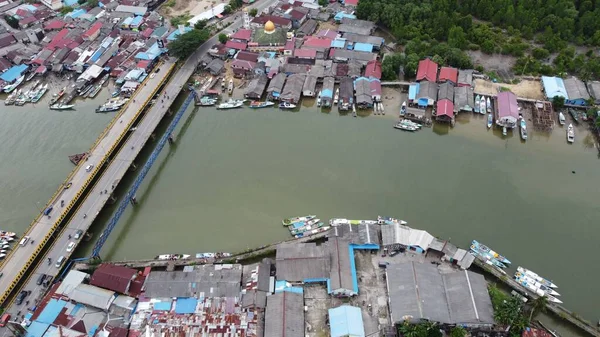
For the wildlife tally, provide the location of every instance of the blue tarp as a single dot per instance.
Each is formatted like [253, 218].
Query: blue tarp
[127, 21]
[142, 56]
[423, 102]
[413, 90]
[186, 305]
[340, 15]
[327, 93]
[162, 306]
[37, 329]
[176, 33]
[346, 320]
[30, 8]
[51, 311]
[136, 21]
[70, 2]
[13, 73]
[76, 13]
[363, 47]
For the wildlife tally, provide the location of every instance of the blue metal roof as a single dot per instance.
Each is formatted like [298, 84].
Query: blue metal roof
[162, 306]
[77, 13]
[326, 93]
[338, 43]
[176, 33]
[186, 305]
[136, 21]
[37, 329]
[346, 320]
[127, 21]
[51, 311]
[13, 73]
[363, 47]
[340, 15]
[554, 86]
[413, 90]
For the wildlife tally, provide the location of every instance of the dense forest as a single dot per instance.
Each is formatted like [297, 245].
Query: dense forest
[534, 31]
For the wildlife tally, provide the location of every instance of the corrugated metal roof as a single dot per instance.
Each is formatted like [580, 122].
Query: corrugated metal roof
[92, 296]
[71, 281]
[345, 321]
[427, 70]
[554, 86]
[285, 315]
[300, 261]
[404, 235]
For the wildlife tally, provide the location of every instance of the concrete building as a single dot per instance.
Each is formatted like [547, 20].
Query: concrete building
[577, 92]
[346, 321]
[418, 292]
[554, 86]
[285, 315]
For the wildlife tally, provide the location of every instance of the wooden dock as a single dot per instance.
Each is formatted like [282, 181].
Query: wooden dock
[558, 310]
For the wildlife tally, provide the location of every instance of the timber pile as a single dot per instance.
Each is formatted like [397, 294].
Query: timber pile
[542, 116]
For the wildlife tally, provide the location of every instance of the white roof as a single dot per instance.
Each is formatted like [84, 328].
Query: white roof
[139, 10]
[90, 73]
[209, 14]
[407, 236]
[92, 296]
[71, 281]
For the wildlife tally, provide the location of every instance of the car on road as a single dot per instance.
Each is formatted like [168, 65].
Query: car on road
[41, 279]
[156, 70]
[5, 318]
[60, 261]
[89, 168]
[47, 281]
[70, 246]
[21, 296]
[68, 185]
[24, 241]
[152, 75]
[78, 234]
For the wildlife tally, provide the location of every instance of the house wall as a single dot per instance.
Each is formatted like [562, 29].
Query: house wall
[578, 101]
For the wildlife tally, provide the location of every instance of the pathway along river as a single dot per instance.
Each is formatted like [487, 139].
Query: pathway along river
[233, 175]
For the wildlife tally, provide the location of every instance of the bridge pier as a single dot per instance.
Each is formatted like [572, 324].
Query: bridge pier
[153, 136]
[133, 200]
[133, 167]
[171, 139]
[112, 199]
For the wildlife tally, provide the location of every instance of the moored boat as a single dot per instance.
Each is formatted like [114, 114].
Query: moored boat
[536, 277]
[258, 105]
[523, 130]
[381, 109]
[312, 232]
[482, 107]
[403, 109]
[231, 104]
[570, 133]
[477, 103]
[286, 105]
[336, 97]
[319, 99]
[483, 249]
[573, 114]
[540, 292]
[504, 131]
[289, 221]
[58, 96]
[12, 97]
[9, 88]
[405, 126]
[207, 101]
[490, 121]
[3, 233]
[113, 104]
[523, 278]
[40, 93]
[230, 87]
[172, 257]
[489, 105]
[561, 118]
[306, 228]
[62, 106]
[487, 259]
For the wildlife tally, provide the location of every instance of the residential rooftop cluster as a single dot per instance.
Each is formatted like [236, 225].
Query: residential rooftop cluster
[305, 289]
[291, 47]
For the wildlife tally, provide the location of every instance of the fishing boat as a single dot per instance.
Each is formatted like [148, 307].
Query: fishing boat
[312, 232]
[115, 93]
[207, 101]
[403, 109]
[210, 255]
[96, 89]
[7, 238]
[491, 264]
[523, 278]
[230, 87]
[573, 114]
[536, 277]
[58, 96]
[540, 292]
[9, 88]
[482, 107]
[405, 126]
[231, 104]
[62, 106]
[489, 105]
[113, 104]
[306, 228]
[561, 118]
[487, 259]
[286, 105]
[504, 131]
[477, 103]
[40, 93]
[319, 99]
[12, 97]
[172, 257]
[21, 100]
[490, 121]
[523, 129]
[30, 76]
[570, 134]
[289, 221]
[258, 105]
[11, 234]
[336, 97]
[479, 247]
[2, 256]
[381, 109]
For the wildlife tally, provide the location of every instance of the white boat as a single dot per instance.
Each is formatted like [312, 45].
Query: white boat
[113, 104]
[489, 105]
[7, 239]
[40, 93]
[10, 99]
[286, 105]
[523, 129]
[312, 222]
[2, 256]
[62, 106]
[231, 104]
[172, 257]
[3, 233]
[570, 134]
[336, 97]
[319, 99]
[504, 131]
[405, 126]
[403, 109]
[561, 118]
[5, 246]
[381, 108]
[490, 121]
[7, 89]
[230, 87]
[536, 277]
[523, 278]
[540, 292]
[477, 103]
[482, 107]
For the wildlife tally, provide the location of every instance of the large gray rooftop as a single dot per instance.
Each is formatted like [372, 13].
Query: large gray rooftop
[419, 292]
[204, 280]
[300, 261]
[357, 234]
[341, 272]
[285, 315]
[576, 88]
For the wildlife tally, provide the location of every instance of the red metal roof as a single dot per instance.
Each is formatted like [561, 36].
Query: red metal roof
[147, 32]
[532, 332]
[427, 70]
[241, 64]
[290, 45]
[111, 277]
[235, 45]
[93, 29]
[373, 69]
[445, 107]
[448, 74]
[27, 21]
[242, 34]
[143, 64]
[375, 88]
[351, 2]
[247, 56]
[507, 105]
[54, 24]
[277, 20]
[305, 53]
[329, 33]
[57, 38]
[312, 41]
[297, 15]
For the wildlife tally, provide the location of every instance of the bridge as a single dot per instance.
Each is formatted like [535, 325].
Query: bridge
[89, 186]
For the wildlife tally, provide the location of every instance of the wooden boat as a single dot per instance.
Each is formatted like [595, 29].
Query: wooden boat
[523, 126]
[58, 96]
[336, 97]
[172, 257]
[573, 114]
[489, 105]
[286, 105]
[403, 109]
[9, 88]
[231, 104]
[536, 277]
[477, 103]
[258, 105]
[289, 221]
[482, 107]
[504, 131]
[490, 121]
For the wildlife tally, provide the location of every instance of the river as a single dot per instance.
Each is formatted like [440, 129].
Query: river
[233, 175]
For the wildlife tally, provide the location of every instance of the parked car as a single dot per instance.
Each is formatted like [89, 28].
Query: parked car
[394, 253]
[21, 297]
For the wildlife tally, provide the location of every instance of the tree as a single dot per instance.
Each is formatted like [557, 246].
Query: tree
[187, 43]
[12, 21]
[227, 10]
[558, 102]
[66, 10]
[223, 38]
[538, 305]
[458, 331]
[200, 24]
[253, 12]
[323, 3]
[540, 53]
[92, 3]
[457, 38]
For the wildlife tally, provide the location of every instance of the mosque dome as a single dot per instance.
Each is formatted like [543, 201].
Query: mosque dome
[269, 27]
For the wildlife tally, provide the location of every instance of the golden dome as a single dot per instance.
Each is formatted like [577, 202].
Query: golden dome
[269, 26]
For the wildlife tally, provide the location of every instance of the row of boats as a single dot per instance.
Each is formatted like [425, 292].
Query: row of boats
[173, 257]
[32, 95]
[525, 277]
[238, 103]
[113, 104]
[407, 125]
[482, 104]
[6, 238]
[304, 226]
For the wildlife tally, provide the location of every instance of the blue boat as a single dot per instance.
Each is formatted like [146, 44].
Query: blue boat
[485, 250]
[477, 103]
[487, 259]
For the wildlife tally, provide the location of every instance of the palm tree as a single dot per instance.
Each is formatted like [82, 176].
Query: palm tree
[538, 305]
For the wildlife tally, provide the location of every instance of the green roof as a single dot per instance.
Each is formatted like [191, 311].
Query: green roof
[278, 37]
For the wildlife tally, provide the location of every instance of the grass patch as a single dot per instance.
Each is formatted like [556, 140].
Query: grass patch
[181, 19]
